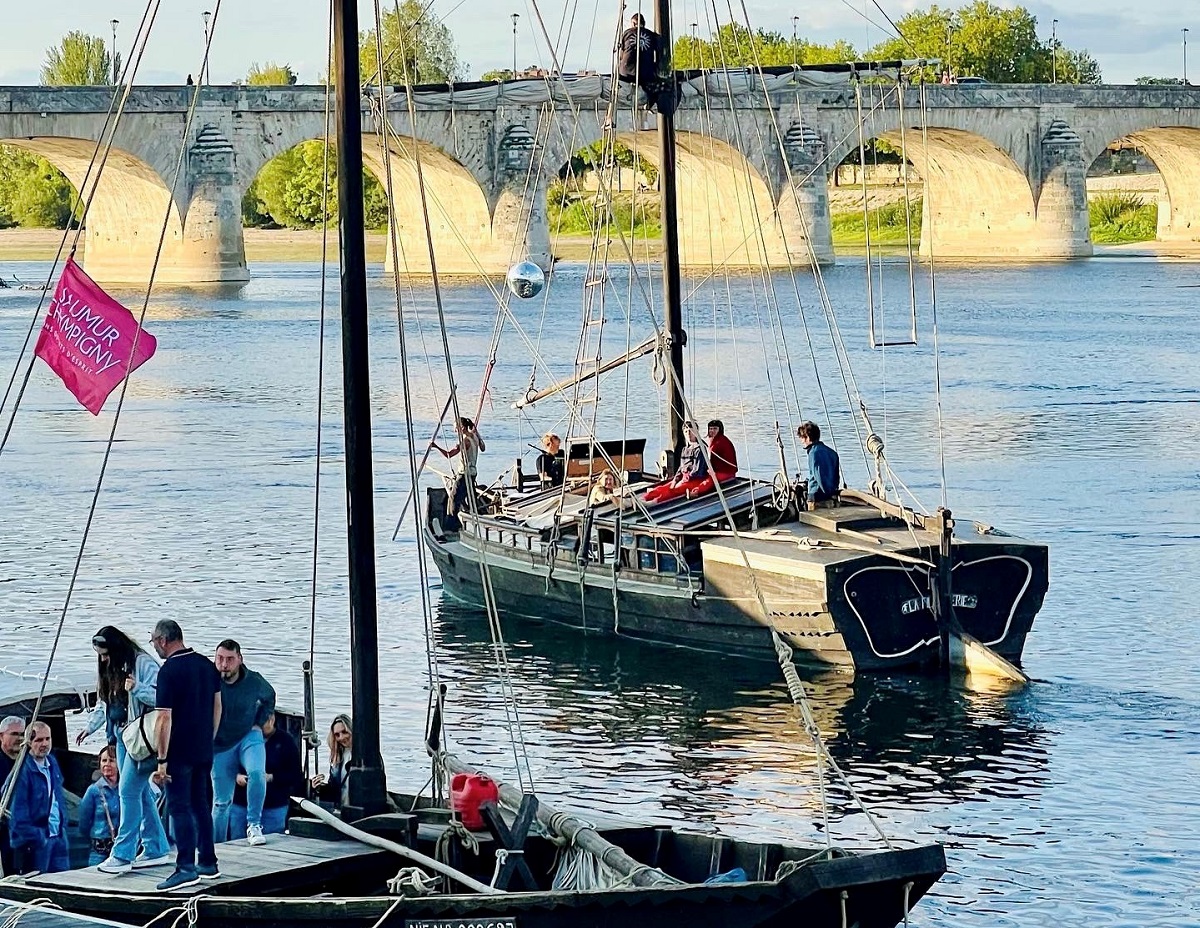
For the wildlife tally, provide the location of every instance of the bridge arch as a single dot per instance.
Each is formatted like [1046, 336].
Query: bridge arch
[977, 201]
[122, 228]
[1175, 151]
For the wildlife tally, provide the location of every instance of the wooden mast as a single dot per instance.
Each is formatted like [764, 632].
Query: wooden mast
[367, 788]
[672, 298]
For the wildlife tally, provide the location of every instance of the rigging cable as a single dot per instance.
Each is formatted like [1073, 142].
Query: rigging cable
[312, 743]
[516, 734]
[116, 109]
[6, 798]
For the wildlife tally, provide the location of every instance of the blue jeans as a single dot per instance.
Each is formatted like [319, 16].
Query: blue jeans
[249, 755]
[189, 796]
[50, 855]
[273, 820]
[139, 814]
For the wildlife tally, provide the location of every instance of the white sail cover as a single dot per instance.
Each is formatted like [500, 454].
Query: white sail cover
[578, 90]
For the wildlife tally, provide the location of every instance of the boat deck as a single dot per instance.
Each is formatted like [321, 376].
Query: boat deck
[41, 916]
[286, 862]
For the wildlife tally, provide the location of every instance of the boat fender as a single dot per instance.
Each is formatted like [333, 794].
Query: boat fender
[695, 599]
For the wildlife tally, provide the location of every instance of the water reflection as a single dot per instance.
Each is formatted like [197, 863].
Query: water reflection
[729, 725]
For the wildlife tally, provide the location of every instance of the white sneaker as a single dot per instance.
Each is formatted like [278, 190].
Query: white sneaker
[142, 861]
[114, 865]
[254, 835]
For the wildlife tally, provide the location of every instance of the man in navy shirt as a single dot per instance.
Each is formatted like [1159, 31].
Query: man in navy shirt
[824, 470]
[189, 697]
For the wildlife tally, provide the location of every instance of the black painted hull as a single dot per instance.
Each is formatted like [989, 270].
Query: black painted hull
[868, 612]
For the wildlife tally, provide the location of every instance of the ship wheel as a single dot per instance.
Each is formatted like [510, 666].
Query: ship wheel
[782, 492]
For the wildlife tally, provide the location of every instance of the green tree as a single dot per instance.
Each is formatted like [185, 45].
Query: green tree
[78, 60]
[33, 192]
[288, 191]
[985, 40]
[416, 48]
[271, 75]
[1159, 81]
[736, 46]
[499, 74]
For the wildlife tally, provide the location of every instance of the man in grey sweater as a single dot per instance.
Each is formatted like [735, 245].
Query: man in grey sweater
[247, 700]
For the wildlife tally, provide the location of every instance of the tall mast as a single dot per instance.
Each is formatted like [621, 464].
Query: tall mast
[367, 789]
[670, 222]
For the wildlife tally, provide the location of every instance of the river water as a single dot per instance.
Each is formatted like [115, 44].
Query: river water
[1070, 412]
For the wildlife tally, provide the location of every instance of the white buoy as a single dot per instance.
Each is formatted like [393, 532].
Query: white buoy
[526, 280]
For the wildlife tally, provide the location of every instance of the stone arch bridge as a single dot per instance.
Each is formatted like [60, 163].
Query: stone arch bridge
[1003, 166]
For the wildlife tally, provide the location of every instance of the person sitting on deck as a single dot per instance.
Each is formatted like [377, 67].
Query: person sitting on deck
[722, 459]
[285, 778]
[824, 469]
[551, 463]
[691, 473]
[336, 787]
[605, 490]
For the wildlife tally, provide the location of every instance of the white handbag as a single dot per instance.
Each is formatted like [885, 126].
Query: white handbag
[140, 735]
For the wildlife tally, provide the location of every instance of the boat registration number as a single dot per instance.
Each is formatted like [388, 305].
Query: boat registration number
[461, 923]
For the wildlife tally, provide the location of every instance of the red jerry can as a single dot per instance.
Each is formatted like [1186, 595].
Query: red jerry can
[467, 793]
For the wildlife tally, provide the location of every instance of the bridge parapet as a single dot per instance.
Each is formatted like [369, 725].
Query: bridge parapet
[1004, 166]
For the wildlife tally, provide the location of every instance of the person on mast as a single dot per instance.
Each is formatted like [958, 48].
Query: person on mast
[639, 51]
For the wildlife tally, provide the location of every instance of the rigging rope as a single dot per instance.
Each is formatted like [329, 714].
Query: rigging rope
[312, 743]
[95, 500]
[116, 109]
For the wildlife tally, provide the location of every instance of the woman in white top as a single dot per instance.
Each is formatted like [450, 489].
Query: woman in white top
[470, 443]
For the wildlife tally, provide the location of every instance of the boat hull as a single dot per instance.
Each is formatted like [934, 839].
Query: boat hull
[869, 612]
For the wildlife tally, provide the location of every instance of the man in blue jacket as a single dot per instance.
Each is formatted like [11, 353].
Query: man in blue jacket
[38, 812]
[824, 469]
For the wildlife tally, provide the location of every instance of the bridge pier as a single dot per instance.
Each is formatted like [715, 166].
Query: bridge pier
[1062, 208]
[803, 209]
[121, 237]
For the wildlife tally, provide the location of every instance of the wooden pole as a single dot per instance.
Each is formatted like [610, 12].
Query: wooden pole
[368, 794]
[384, 844]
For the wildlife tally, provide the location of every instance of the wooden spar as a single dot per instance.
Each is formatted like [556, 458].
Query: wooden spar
[633, 354]
[577, 832]
[672, 285]
[368, 791]
[384, 844]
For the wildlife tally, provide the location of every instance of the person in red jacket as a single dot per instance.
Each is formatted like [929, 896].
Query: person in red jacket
[722, 459]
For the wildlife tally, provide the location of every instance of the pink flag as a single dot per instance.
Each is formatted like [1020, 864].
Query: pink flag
[88, 338]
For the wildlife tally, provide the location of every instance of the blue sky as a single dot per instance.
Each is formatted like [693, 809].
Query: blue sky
[1128, 39]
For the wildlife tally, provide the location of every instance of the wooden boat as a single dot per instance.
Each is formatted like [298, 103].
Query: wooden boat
[536, 868]
[861, 581]
[852, 585]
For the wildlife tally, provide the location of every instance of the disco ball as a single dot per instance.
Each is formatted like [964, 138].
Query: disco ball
[526, 280]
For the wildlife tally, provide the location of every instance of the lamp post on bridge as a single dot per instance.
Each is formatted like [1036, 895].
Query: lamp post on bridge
[206, 16]
[1185, 32]
[795, 43]
[515, 17]
[1054, 51]
[114, 23]
[696, 44]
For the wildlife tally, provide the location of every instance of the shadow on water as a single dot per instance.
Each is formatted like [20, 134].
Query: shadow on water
[904, 742]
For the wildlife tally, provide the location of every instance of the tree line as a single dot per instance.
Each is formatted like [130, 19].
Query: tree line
[979, 39]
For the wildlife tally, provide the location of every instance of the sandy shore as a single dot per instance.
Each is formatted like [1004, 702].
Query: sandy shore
[271, 245]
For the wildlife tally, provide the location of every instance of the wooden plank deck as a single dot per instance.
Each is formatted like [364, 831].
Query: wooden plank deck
[36, 916]
[284, 862]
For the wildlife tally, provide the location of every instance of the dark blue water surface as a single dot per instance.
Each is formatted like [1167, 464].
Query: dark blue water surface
[1070, 413]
